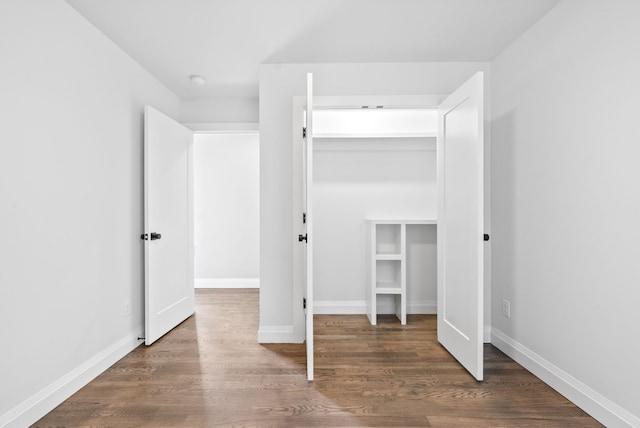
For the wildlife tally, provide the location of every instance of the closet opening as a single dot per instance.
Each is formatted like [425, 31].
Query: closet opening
[374, 206]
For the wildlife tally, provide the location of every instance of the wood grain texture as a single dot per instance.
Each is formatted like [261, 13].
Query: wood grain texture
[210, 371]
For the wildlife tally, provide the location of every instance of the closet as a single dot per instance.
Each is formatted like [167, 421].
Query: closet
[356, 171]
[374, 164]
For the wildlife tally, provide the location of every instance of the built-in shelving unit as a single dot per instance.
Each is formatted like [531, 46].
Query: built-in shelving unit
[387, 263]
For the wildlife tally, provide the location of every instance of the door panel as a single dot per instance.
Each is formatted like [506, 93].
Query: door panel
[460, 224]
[307, 186]
[168, 202]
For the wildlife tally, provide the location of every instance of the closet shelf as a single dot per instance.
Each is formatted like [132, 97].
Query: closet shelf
[379, 136]
[374, 143]
[405, 221]
[384, 288]
[388, 256]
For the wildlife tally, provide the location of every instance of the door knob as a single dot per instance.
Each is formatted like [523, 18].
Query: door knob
[154, 236]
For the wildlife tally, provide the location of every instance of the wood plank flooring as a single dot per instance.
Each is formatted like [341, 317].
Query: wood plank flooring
[210, 371]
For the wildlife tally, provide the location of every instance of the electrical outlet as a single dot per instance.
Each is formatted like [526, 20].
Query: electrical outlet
[506, 308]
[127, 308]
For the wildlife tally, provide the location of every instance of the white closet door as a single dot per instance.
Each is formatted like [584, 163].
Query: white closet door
[460, 224]
[307, 184]
[168, 226]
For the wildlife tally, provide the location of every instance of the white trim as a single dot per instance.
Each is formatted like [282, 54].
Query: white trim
[227, 283]
[358, 307]
[428, 307]
[45, 400]
[223, 128]
[389, 101]
[339, 307]
[589, 400]
[486, 335]
[278, 334]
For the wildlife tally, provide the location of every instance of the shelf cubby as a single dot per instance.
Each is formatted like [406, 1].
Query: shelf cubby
[386, 264]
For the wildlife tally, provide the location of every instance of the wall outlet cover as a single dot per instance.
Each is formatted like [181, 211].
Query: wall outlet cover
[506, 308]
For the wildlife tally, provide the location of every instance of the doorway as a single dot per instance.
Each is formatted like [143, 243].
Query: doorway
[374, 162]
[375, 157]
[363, 139]
[226, 210]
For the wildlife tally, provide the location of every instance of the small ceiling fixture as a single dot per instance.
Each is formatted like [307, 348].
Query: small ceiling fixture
[197, 80]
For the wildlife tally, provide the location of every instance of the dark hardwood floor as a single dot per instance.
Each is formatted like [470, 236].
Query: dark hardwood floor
[210, 371]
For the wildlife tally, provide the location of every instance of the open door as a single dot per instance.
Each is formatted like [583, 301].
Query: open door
[307, 238]
[168, 225]
[460, 224]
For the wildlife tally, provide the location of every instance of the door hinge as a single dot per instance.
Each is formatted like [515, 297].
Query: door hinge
[303, 238]
[304, 132]
[486, 236]
[304, 303]
[304, 218]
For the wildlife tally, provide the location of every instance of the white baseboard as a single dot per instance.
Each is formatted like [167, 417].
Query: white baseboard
[45, 400]
[589, 400]
[339, 307]
[278, 334]
[428, 307]
[227, 283]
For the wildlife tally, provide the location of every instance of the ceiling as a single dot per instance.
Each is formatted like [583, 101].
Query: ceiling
[226, 40]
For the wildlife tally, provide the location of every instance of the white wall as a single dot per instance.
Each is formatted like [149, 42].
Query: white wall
[71, 191]
[278, 84]
[566, 204]
[355, 184]
[227, 222]
[219, 110]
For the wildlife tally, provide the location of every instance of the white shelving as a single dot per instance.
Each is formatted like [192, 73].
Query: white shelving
[387, 263]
